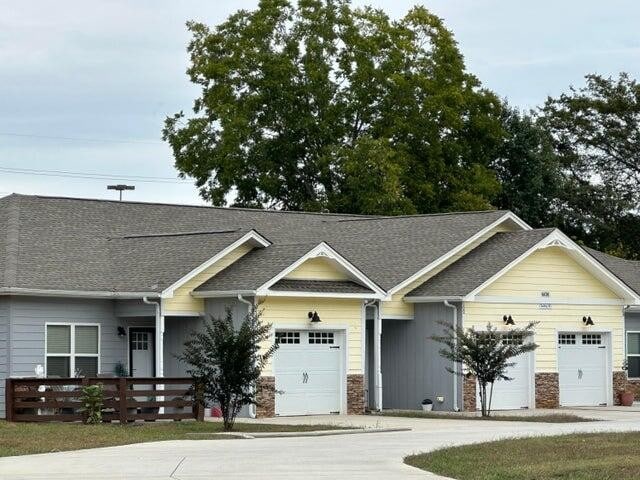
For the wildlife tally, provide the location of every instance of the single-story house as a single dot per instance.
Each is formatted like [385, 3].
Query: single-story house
[91, 286]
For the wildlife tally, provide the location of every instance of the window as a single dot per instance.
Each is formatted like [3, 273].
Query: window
[287, 337]
[591, 339]
[321, 337]
[73, 349]
[511, 339]
[566, 338]
[633, 354]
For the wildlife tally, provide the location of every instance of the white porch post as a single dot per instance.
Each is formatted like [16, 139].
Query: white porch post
[377, 356]
[159, 344]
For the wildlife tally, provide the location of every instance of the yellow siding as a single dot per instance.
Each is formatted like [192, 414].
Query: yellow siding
[398, 308]
[558, 318]
[318, 268]
[573, 293]
[182, 301]
[289, 311]
[551, 270]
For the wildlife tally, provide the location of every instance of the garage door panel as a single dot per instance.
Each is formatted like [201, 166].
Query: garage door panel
[513, 394]
[582, 369]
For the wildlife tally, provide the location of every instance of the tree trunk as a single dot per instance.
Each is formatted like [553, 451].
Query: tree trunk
[490, 400]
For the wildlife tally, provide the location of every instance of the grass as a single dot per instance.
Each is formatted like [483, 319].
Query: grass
[542, 418]
[593, 456]
[28, 438]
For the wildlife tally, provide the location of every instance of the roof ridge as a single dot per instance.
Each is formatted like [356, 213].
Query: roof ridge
[12, 241]
[420, 215]
[175, 234]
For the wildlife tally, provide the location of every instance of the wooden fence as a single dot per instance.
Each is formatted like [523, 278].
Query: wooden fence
[125, 399]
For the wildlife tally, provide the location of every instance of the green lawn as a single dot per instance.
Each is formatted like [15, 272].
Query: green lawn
[602, 456]
[551, 418]
[26, 438]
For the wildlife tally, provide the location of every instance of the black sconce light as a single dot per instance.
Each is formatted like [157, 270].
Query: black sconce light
[121, 332]
[508, 320]
[314, 317]
[587, 321]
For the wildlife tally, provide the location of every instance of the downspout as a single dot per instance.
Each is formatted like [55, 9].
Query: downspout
[456, 407]
[159, 343]
[377, 357]
[252, 407]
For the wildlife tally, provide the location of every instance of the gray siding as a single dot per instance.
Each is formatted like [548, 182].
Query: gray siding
[4, 348]
[632, 321]
[134, 308]
[177, 330]
[412, 368]
[30, 314]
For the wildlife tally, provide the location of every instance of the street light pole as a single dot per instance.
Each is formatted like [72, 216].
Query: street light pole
[120, 187]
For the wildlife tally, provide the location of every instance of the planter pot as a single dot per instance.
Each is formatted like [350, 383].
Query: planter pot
[626, 399]
[427, 407]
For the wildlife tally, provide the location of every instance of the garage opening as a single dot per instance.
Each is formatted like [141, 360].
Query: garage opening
[309, 372]
[583, 360]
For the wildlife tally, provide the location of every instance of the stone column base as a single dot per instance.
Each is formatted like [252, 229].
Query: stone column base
[622, 384]
[266, 397]
[547, 387]
[469, 394]
[355, 394]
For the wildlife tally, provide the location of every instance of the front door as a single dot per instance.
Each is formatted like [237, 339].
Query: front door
[142, 352]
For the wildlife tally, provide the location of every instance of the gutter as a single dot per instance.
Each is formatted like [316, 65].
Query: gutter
[456, 407]
[377, 351]
[252, 407]
[75, 293]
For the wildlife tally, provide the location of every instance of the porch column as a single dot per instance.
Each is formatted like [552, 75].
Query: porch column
[377, 355]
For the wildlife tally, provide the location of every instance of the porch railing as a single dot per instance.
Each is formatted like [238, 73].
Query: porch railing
[125, 399]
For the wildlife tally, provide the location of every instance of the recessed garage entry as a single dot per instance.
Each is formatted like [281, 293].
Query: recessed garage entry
[582, 366]
[308, 368]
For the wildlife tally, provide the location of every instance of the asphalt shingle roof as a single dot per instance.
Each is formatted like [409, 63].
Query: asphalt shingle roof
[97, 245]
[323, 286]
[626, 270]
[479, 265]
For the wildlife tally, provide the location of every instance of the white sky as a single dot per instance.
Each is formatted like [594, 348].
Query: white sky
[112, 70]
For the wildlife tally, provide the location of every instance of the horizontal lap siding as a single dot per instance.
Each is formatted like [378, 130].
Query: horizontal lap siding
[30, 314]
[182, 301]
[4, 346]
[282, 311]
[318, 269]
[550, 270]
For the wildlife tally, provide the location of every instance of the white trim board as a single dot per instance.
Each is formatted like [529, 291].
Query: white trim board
[558, 239]
[423, 271]
[252, 236]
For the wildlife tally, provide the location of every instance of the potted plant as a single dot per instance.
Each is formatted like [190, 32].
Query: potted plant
[427, 405]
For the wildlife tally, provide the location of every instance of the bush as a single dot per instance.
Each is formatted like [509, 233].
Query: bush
[92, 401]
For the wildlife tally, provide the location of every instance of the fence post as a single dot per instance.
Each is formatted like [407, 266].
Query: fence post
[122, 397]
[8, 400]
[199, 402]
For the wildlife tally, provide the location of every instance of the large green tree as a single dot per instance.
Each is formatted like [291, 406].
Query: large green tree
[319, 105]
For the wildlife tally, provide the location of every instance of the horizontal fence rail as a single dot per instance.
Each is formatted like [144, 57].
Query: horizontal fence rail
[126, 399]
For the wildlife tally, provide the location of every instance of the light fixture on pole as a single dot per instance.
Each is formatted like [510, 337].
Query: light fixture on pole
[120, 188]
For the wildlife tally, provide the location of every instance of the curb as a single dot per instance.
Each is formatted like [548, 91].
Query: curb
[317, 433]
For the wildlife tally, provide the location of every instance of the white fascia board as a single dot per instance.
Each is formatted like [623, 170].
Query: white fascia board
[75, 293]
[507, 216]
[455, 298]
[222, 293]
[325, 251]
[282, 293]
[251, 236]
[558, 239]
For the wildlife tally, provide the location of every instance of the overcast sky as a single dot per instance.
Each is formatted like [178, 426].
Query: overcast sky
[85, 85]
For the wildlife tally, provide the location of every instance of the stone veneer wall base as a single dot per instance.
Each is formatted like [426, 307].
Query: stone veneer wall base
[469, 394]
[547, 387]
[266, 397]
[355, 394]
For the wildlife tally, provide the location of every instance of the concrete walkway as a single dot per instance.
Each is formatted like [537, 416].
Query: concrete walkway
[357, 456]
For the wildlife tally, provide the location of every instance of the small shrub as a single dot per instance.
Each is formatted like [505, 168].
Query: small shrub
[92, 400]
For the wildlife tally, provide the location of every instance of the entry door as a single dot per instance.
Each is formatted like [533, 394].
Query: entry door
[308, 371]
[582, 368]
[142, 352]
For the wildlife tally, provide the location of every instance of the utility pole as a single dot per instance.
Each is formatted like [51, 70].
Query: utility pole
[120, 187]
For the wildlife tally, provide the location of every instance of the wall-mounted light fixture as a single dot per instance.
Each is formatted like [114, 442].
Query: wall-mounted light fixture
[314, 317]
[508, 320]
[587, 321]
[121, 332]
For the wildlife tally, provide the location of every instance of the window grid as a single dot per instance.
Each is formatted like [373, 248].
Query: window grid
[566, 338]
[511, 339]
[633, 355]
[591, 339]
[287, 337]
[72, 355]
[321, 337]
[140, 341]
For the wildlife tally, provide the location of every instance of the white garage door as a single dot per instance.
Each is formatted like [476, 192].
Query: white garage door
[582, 368]
[512, 394]
[308, 370]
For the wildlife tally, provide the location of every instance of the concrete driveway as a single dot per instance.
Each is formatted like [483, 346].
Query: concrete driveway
[355, 456]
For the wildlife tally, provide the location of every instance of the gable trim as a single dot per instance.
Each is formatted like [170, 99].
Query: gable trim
[423, 271]
[558, 239]
[252, 236]
[325, 251]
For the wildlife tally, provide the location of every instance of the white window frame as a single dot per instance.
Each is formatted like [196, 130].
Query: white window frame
[627, 354]
[72, 347]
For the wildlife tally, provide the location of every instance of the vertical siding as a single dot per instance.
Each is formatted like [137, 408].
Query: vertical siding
[182, 301]
[4, 347]
[28, 318]
[318, 269]
[412, 368]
